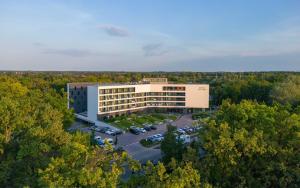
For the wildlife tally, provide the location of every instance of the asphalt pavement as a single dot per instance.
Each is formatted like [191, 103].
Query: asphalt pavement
[130, 142]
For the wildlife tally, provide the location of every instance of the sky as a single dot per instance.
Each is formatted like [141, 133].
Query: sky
[150, 35]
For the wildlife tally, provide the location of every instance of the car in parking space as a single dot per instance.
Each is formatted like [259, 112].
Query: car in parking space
[104, 142]
[104, 129]
[153, 127]
[149, 138]
[110, 132]
[142, 130]
[134, 130]
[158, 137]
[184, 138]
[97, 138]
[189, 130]
[198, 128]
[95, 128]
[181, 131]
[155, 138]
[147, 127]
[118, 132]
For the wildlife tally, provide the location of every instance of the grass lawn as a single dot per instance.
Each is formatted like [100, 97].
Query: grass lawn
[124, 122]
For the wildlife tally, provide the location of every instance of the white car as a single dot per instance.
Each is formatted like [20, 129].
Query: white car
[142, 130]
[184, 138]
[98, 138]
[181, 131]
[95, 128]
[157, 137]
[110, 132]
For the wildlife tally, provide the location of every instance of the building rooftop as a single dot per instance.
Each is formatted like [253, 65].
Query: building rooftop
[142, 82]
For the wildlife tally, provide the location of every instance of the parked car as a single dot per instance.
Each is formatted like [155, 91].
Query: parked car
[97, 138]
[181, 131]
[142, 130]
[95, 128]
[102, 143]
[104, 129]
[110, 132]
[155, 138]
[150, 138]
[118, 131]
[147, 128]
[184, 138]
[189, 130]
[134, 130]
[158, 137]
[153, 127]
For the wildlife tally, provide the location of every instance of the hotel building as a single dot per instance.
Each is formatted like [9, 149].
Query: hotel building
[96, 102]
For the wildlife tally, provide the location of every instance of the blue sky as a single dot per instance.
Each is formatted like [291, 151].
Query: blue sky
[150, 35]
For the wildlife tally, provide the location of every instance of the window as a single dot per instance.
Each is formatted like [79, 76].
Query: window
[174, 88]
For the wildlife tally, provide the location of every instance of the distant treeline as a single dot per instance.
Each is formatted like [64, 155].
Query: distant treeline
[236, 86]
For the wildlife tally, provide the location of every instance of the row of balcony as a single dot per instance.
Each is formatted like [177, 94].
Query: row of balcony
[139, 100]
[116, 90]
[140, 95]
[141, 105]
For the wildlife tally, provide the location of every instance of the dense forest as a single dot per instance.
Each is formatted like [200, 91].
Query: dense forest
[252, 140]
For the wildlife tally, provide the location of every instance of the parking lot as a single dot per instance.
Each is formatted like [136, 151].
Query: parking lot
[130, 142]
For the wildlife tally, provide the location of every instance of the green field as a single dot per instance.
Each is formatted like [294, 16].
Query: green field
[124, 122]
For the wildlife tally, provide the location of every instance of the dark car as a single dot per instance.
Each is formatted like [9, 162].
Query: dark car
[153, 127]
[147, 128]
[103, 130]
[134, 130]
[118, 132]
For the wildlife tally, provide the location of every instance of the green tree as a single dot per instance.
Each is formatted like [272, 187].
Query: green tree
[36, 151]
[178, 176]
[287, 91]
[171, 147]
[82, 166]
[252, 145]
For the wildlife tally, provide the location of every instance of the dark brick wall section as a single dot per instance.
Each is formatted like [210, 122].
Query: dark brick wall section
[78, 96]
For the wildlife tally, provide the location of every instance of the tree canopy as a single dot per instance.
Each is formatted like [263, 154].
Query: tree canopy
[252, 145]
[252, 140]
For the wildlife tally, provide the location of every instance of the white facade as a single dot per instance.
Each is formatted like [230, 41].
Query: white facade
[126, 98]
[115, 99]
